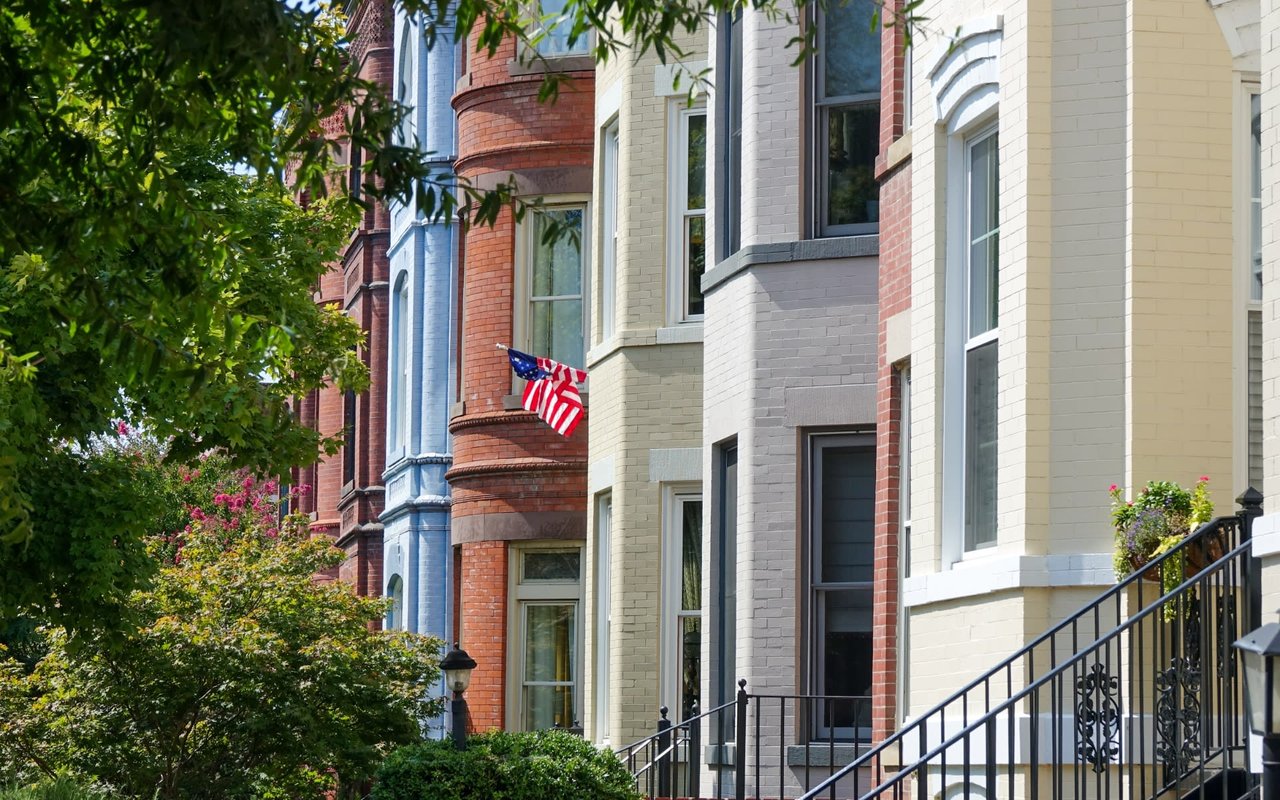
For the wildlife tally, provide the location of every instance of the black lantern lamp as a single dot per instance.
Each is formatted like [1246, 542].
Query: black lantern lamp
[457, 666]
[1261, 650]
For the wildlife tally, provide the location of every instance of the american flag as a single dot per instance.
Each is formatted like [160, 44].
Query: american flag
[551, 391]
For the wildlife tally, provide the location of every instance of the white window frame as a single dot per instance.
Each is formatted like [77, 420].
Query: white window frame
[522, 316]
[958, 343]
[603, 614]
[522, 594]
[814, 445]
[674, 496]
[400, 368]
[679, 213]
[903, 639]
[609, 231]
[1242, 290]
[395, 613]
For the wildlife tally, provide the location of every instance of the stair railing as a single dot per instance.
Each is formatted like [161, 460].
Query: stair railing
[1160, 658]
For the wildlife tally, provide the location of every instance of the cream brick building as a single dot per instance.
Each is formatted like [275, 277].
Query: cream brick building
[645, 363]
[1111, 336]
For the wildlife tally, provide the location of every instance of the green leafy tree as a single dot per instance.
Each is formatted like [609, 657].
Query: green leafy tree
[240, 675]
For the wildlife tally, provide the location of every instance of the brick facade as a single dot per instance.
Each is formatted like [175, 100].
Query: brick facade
[895, 298]
[513, 478]
[345, 510]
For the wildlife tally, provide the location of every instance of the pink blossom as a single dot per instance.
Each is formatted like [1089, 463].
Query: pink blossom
[1204, 478]
[122, 428]
[248, 482]
[1114, 487]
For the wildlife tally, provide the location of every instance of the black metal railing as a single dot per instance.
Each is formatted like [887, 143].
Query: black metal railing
[757, 745]
[1135, 695]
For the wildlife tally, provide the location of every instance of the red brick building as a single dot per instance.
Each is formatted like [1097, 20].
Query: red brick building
[346, 494]
[893, 168]
[519, 489]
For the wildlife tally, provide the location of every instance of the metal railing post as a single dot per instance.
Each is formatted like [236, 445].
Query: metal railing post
[740, 743]
[1250, 501]
[694, 758]
[664, 754]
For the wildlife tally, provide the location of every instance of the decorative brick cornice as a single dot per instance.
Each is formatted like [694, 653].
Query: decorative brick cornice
[491, 418]
[512, 466]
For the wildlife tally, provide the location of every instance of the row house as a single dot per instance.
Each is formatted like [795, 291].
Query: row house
[345, 499]
[422, 338]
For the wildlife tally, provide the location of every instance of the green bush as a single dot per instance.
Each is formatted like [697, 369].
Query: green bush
[547, 765]
[59, 789]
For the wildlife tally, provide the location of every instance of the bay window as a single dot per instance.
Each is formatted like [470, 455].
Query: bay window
[547, 594]
[556, 326]
[846, 111]
[688, 213]
[682, 576]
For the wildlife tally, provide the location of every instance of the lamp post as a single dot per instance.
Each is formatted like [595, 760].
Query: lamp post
[457, 666]
[1261, 650]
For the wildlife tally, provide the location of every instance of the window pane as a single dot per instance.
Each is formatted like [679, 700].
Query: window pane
[851, 57]
[556, 42]
[691, 556]
[847, 528]
[551, 565]
[548, 643]
[984, 236]
[690, 662]
[696, 180]
[557, 331]
[1255, 284]
[980, 447]
[853, 139]
[546, 707]
[846, 656]
[695, 254]
[557, 267]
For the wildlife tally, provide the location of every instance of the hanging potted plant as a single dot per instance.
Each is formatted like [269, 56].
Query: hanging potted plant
[1154, 522]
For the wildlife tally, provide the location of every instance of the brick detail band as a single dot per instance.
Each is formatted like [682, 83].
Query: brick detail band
[519, 526]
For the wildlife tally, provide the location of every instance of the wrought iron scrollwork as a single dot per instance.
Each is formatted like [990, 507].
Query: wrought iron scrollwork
[1097, 717]
[1178, 702]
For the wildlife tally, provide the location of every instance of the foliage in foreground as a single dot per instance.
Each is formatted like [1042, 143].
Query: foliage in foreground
[240, 675]
[61, 788]
[546, 765]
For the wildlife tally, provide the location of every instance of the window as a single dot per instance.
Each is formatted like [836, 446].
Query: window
[354, 171]
[842, 548]
[682, 573]
[726, 580]
[609, 236]
[404, 87]
[400, 361]
[688, 217]
[556, 325]
[847, 119]
[604, 613]
[349, 437]
[395, 614]
[730, 112]
[547, 595]
[557, 28]
[1253, 389]
[981, 275]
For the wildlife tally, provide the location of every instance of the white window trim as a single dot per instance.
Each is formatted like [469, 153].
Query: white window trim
[544, 593]
[1241, 186]
[610, 152]
[957, 343]
[400, 374]
[535, 24]
[602, 579]
[407, 131]
[523, 277]
[678, 211]
[674, 495]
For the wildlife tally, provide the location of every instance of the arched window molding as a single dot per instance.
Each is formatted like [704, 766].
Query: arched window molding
[965, 77]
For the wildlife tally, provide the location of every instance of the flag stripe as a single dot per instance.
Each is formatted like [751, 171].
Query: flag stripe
[551, 391]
